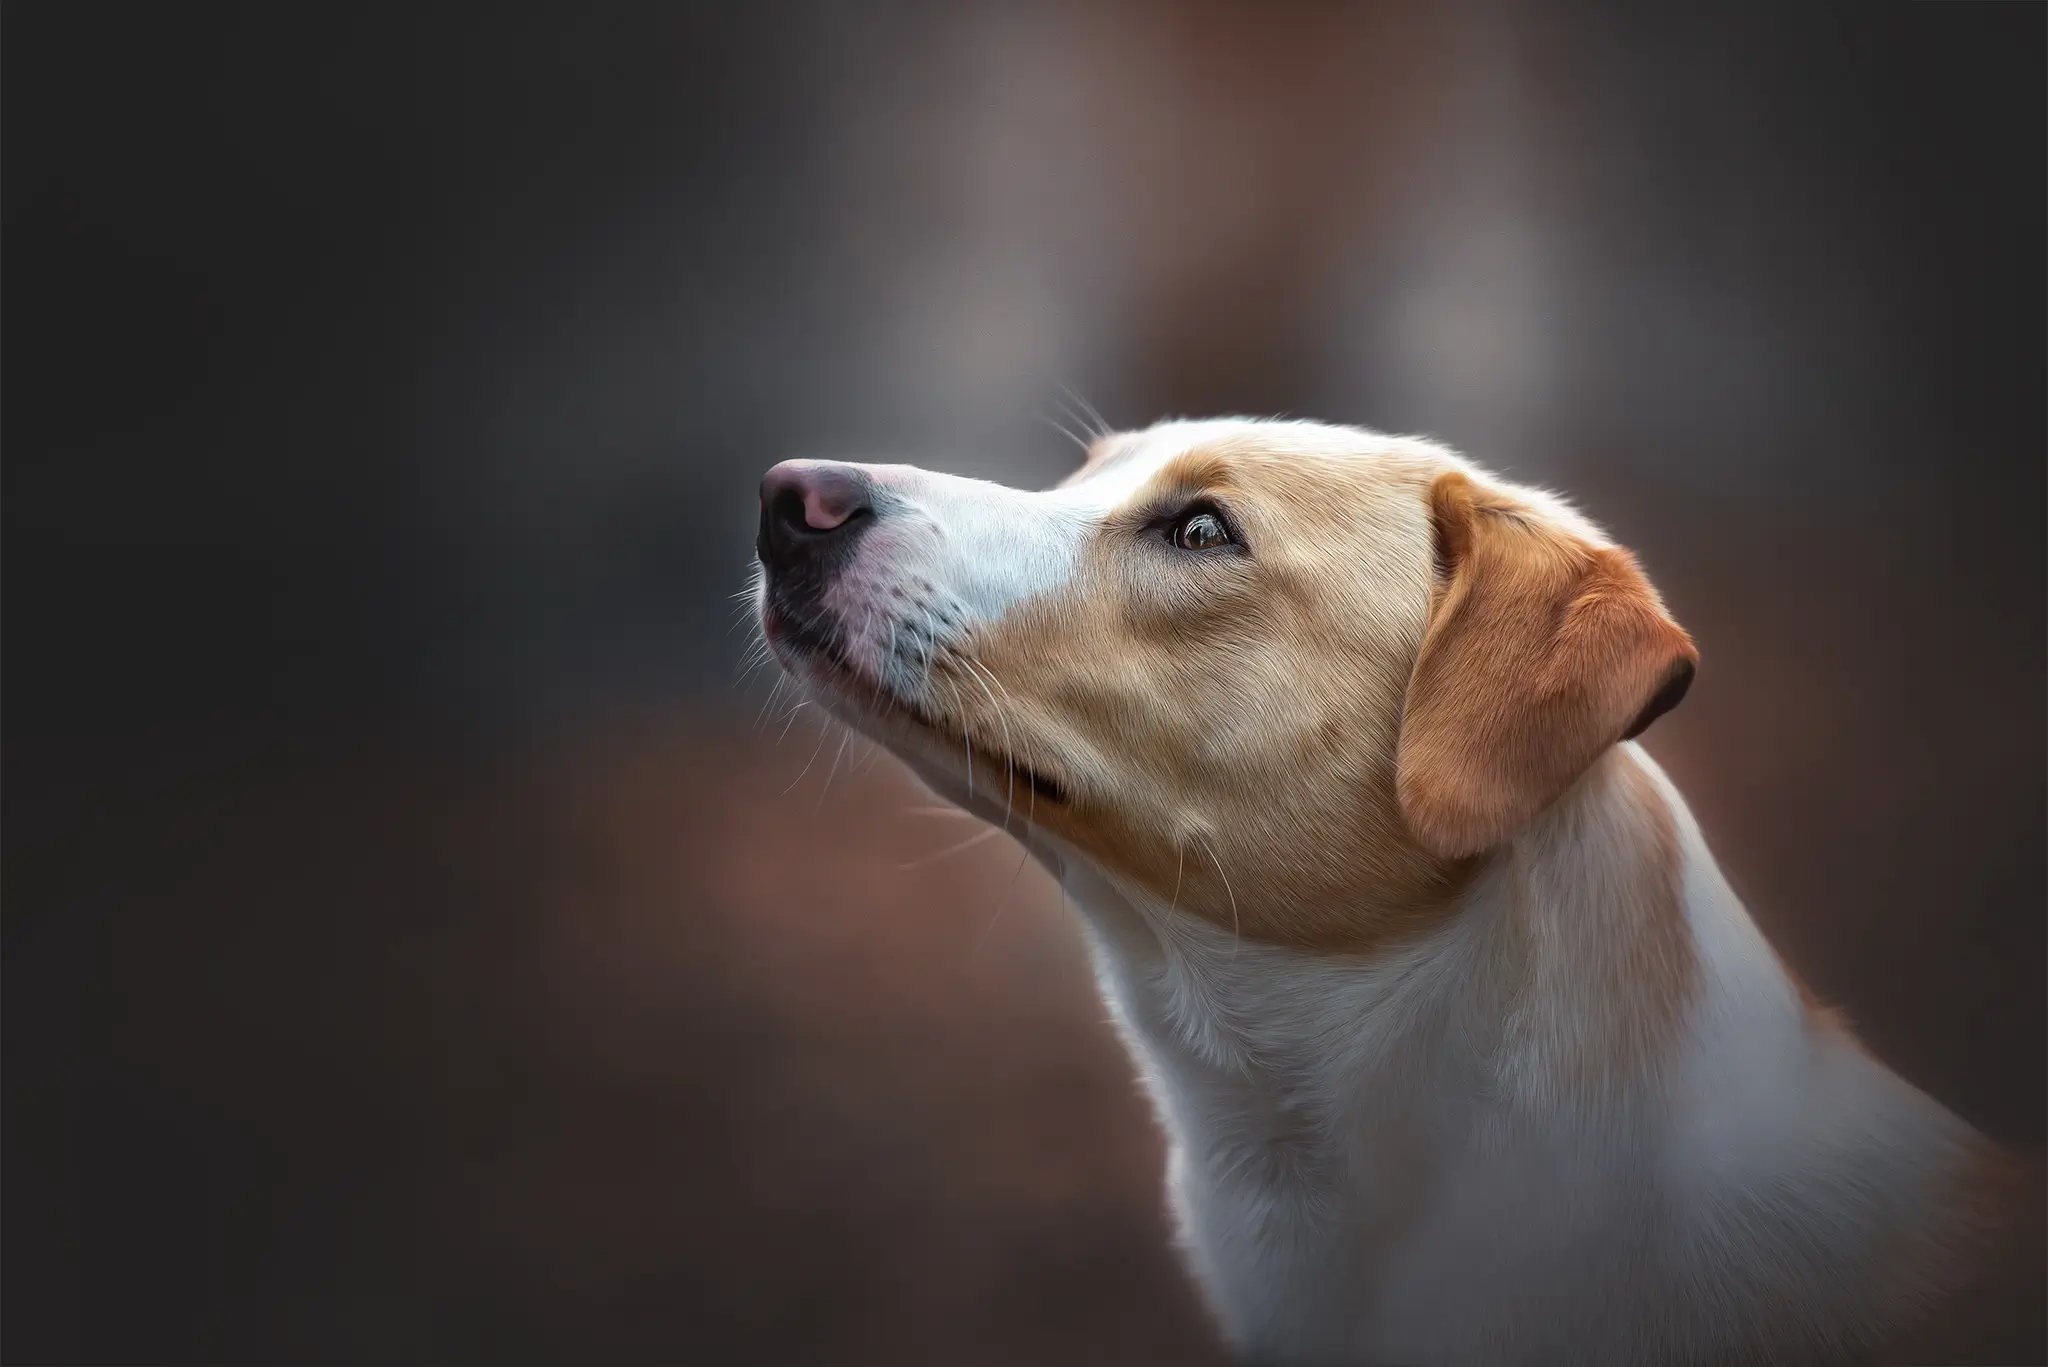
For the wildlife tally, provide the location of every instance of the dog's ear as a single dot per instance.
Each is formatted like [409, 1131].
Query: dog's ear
[1543, 650]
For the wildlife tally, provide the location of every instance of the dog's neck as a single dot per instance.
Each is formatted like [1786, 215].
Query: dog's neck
[1569, 962]
[1591, 1070]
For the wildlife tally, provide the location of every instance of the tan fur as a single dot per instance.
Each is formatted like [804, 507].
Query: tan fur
[1409, 729]
[1821, 1015]
[1543, 650]
[1207, 717]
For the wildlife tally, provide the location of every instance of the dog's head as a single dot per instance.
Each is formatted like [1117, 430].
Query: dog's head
[1286, 676]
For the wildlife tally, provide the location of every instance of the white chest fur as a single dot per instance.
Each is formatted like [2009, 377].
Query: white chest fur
[1380, 1158]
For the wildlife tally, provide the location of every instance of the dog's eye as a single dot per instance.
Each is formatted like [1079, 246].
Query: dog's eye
[1202, 531]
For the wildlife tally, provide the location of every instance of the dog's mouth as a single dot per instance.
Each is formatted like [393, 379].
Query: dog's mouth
[823, 662]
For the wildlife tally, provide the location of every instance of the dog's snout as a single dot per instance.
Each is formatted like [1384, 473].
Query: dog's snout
[810, 508]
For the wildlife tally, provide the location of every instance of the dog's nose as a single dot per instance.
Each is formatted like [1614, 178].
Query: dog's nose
[809, 508]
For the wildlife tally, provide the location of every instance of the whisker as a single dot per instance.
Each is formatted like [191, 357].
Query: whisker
[924, 638]
[888, 666]
[824, 734]
[1098, 426]
[1030, 813]
[1236, 928]
[1031, 804]
[969, 843]
[755, 656]
[975, 672]
[1004, 904]
[774, 693]
[1062, 429]
[845, 735]
[741, 615]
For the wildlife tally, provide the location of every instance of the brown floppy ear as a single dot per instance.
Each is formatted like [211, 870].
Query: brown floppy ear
[1543, 649]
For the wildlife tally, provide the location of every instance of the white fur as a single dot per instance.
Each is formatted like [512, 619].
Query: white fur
[1371, 1162]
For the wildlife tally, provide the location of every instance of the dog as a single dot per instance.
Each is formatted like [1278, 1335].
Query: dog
[1464, 1049]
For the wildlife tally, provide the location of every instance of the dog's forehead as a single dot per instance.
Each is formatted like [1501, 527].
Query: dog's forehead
[1120, 464]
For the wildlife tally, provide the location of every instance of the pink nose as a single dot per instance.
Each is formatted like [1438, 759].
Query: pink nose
[811, 512]
[825, 492]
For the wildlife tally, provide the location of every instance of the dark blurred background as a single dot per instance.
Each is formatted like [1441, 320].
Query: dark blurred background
[418, 948]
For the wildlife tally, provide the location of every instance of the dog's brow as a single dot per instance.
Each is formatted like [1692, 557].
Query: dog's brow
[1192, 471]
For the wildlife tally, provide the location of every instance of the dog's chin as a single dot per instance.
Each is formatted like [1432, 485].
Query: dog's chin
[967, 774]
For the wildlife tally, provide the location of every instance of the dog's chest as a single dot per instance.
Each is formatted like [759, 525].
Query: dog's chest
[1341, 1169]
